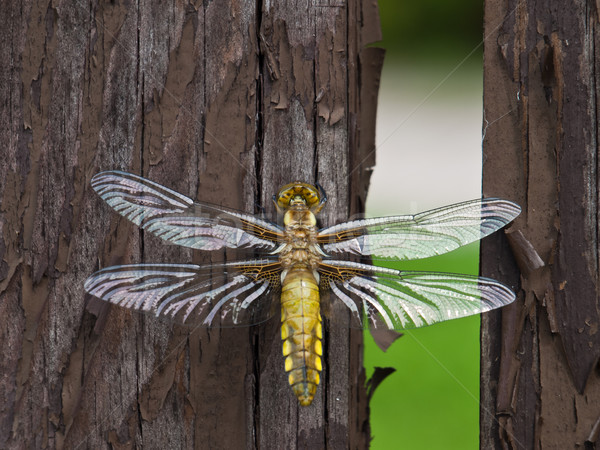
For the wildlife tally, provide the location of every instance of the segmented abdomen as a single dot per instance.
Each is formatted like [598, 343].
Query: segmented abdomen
[301, 332]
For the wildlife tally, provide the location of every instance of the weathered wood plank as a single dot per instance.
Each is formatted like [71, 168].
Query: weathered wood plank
[540, 150]
[222, 101]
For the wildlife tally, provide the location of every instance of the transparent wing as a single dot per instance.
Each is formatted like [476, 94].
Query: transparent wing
[230, 294]
[420, 236]
[178, 220]
[396, 300]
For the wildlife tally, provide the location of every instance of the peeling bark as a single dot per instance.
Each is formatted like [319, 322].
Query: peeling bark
[224, 102]
[540, 378]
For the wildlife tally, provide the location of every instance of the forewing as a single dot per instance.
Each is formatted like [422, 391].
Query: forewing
[420, 236]
[178, 220]
[233, 294]
[396, 300]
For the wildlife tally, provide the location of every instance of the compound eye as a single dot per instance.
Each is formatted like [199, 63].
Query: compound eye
[284, 198]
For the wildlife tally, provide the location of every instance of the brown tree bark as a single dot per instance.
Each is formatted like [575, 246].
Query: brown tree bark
[223, 101]
[540, 379]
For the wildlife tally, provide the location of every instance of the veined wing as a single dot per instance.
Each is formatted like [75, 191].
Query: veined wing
[422, 235]
[394, 299]
[229, 294]
[178, 220]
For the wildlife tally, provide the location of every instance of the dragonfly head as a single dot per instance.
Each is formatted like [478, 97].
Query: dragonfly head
[299, 194]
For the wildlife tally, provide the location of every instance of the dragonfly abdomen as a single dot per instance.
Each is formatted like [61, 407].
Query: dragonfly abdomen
[301, 332]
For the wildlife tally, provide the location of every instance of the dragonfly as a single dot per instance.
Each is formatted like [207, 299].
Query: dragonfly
[297, 264]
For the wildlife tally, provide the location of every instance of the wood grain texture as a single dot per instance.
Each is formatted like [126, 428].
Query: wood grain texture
[223, 102]
[539, 367]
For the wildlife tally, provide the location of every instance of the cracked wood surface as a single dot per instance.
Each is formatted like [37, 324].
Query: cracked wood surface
[221, 101]
[540, 379]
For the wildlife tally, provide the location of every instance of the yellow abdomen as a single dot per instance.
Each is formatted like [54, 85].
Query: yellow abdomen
[301, 332]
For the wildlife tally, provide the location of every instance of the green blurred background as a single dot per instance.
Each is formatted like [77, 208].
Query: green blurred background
[429, 155]
[431, 30]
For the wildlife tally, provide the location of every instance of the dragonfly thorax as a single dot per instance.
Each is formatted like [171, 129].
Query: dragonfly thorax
[301, 248]
[299, 218]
